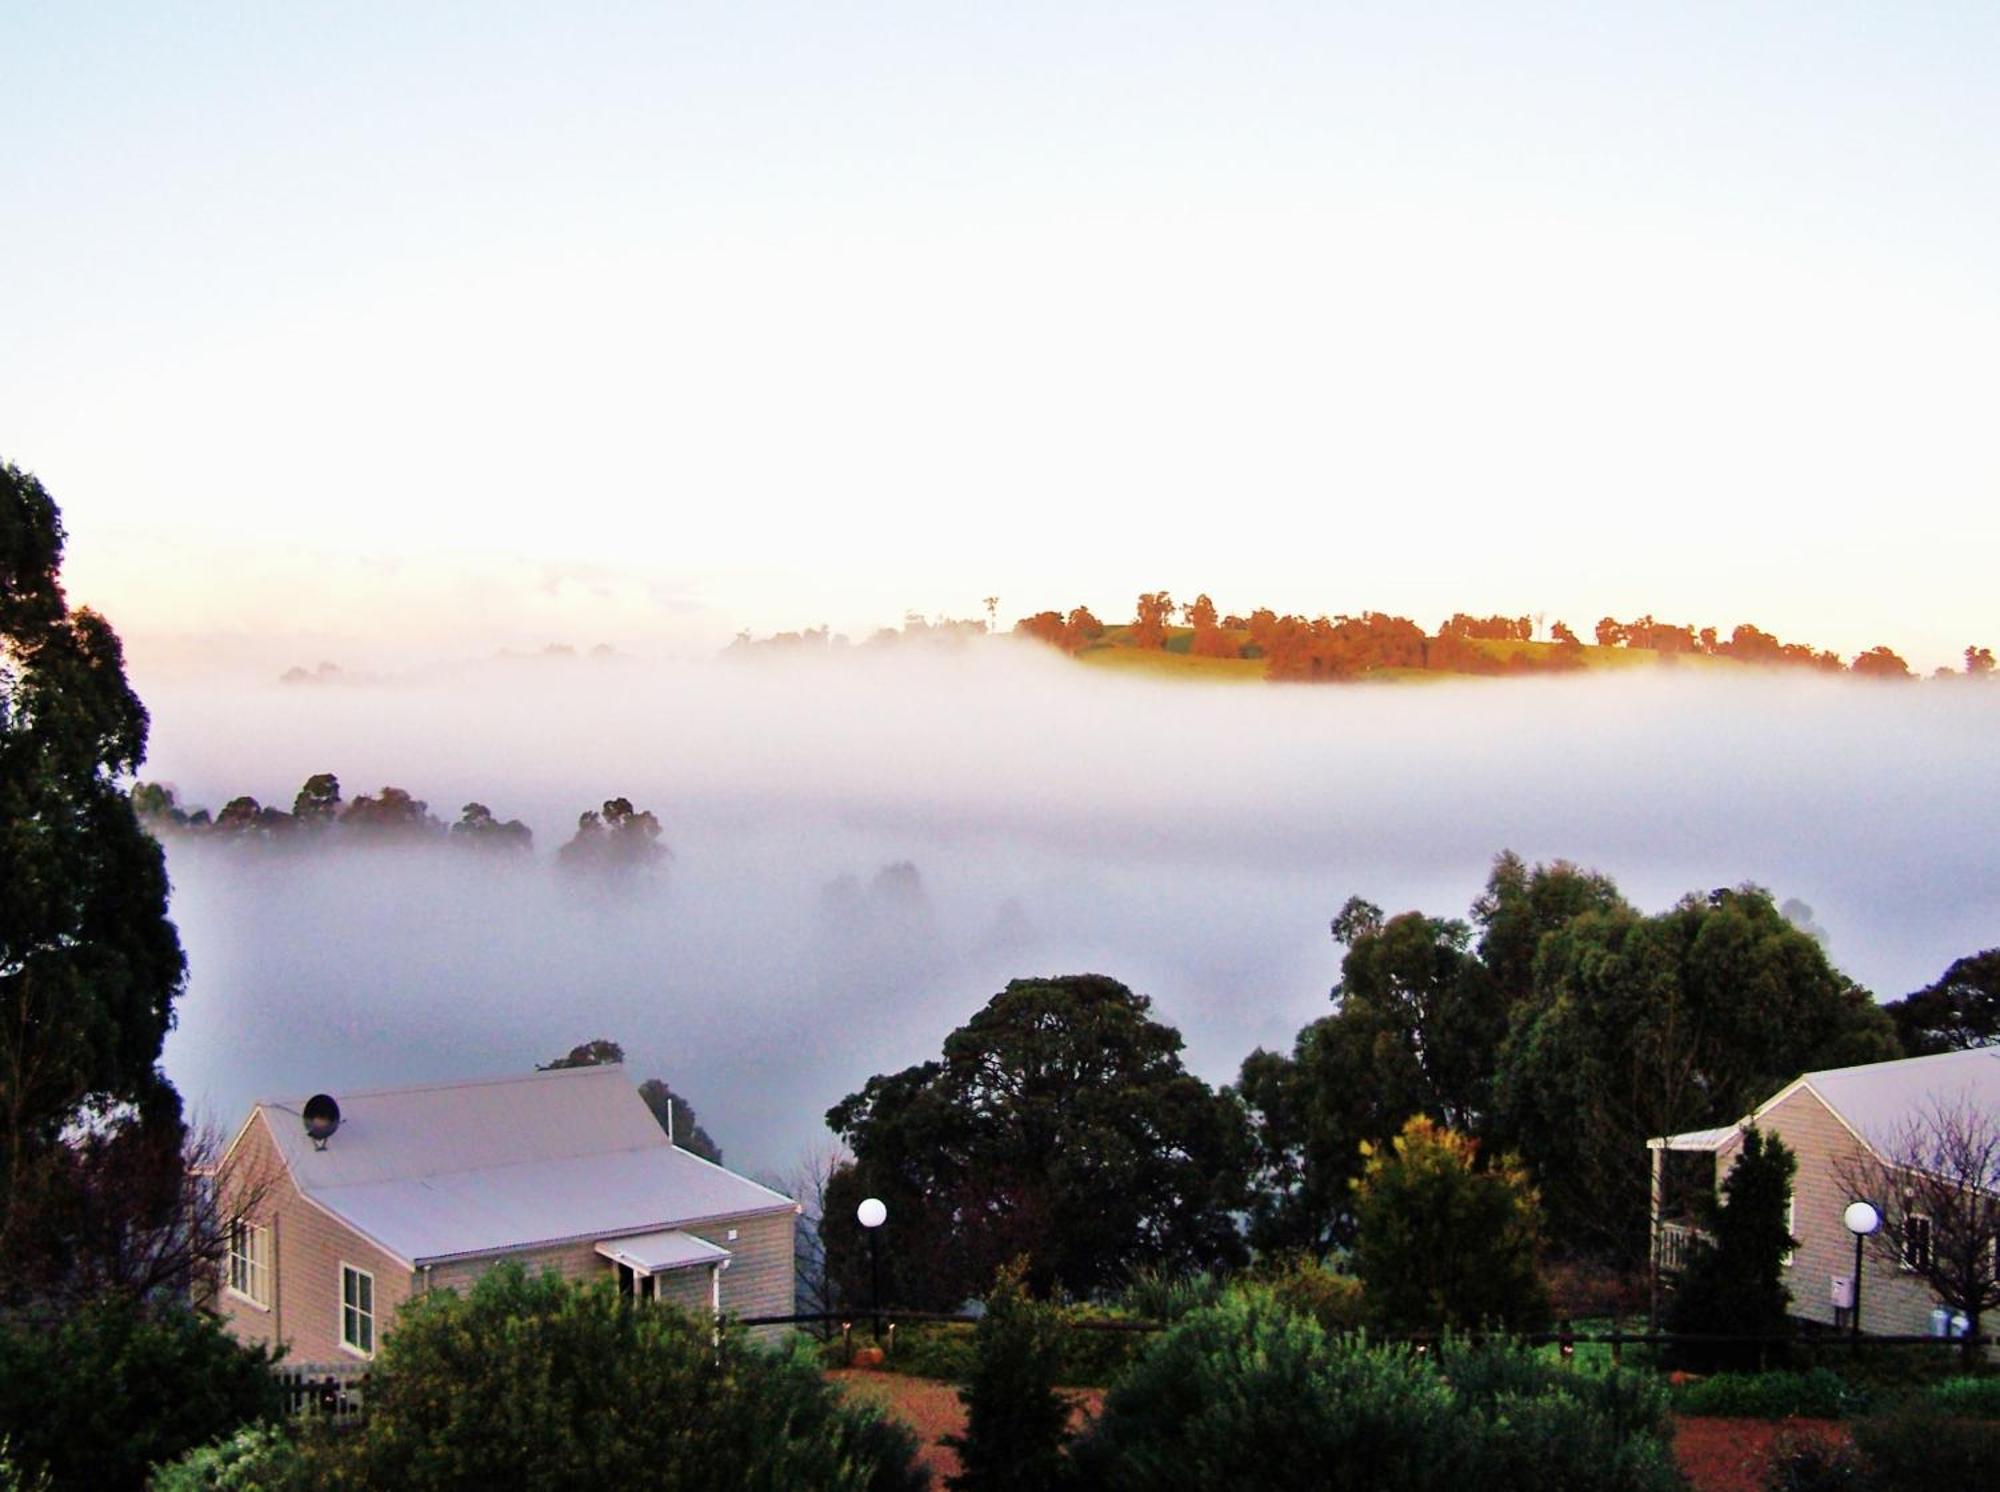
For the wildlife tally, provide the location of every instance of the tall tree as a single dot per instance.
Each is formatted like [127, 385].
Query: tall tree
[1961, 1010]
[1641, 1026]
[90, 965]
[1060, 1124]
[614, 844]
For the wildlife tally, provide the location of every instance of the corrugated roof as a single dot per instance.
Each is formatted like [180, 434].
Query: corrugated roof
[1882, 1101]
[451, 1169]
[656, 1253]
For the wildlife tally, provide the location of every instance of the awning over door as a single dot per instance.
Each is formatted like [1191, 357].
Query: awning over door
[657, 1253]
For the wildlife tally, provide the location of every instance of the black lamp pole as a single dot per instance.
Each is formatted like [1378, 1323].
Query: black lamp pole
[875, 1264]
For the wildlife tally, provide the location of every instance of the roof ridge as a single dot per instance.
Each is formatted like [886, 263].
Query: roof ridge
[1970, 1051]
[562, 1073]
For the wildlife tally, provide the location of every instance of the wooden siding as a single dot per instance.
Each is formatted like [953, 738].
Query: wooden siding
[308, 1245]
[1894, 1302]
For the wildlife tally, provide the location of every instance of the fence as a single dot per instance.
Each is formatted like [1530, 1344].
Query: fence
[334, 1392]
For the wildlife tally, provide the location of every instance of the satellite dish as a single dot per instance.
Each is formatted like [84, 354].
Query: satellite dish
[322, 1116]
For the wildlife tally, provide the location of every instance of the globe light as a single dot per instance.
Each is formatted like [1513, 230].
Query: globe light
[871, 1213]
[1861, 1218]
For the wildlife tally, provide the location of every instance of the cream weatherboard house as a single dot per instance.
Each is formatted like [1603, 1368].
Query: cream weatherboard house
[1831, 1121]
[397, 1191]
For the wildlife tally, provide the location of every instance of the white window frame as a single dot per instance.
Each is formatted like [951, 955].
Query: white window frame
[341, 1308]
[1791, 1228]
[250, 1261]
[1910, 1263]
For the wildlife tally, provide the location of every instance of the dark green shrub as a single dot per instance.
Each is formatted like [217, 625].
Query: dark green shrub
[536, 1382]
[1918, 1448]
[1734, 1286]
[116, 1389]
[1966, 1398]
[1303, 1284]
[1016, 1424]
[1808, 1461]
[1156, 1294]
[1097, 1346]
[1250, 1394]
[1819, 1394]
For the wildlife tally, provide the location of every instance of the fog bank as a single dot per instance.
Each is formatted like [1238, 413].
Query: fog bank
[1190, 840]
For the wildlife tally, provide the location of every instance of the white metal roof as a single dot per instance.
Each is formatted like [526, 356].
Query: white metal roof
[656, 1253]
[1883, 1101]
[481, 1167]
[1879, 1101]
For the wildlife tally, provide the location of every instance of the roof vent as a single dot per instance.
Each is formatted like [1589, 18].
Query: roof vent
[322, 1116]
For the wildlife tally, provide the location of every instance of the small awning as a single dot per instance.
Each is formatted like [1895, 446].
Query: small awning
[656, 1253]
[1694, 1139]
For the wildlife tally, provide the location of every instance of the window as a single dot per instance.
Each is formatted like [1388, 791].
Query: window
[357, 1310]
[250, 1262]
[1916, 1241]
[1791, 1228]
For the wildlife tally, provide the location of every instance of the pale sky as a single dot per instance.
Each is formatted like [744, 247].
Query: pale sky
[469, 326]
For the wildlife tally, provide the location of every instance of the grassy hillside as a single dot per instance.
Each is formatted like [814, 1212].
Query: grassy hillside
[1115, 651]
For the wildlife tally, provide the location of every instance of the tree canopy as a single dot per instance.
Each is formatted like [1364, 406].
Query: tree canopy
[1961, 1010]
[90, 965]
[1060, 1124]
[1734, 1283]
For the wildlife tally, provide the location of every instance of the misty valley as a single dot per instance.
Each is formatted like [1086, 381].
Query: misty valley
[859, 852]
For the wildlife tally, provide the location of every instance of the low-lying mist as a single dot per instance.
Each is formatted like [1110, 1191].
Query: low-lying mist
[1190, 840]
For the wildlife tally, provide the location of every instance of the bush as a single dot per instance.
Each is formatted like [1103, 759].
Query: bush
[536, 1382]
[1919, 1448]
[1016, 1424]
[257, 1458]
[1250, 1393]
[1089, 1358]
[1301, 1283]
[1819, 1394]
[115, 1390]
[1155, 1294]
[1966, 1398]
[1805, 1461]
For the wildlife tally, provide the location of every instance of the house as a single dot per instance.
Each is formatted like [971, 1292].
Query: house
[350, 1206]
[1835, 1120]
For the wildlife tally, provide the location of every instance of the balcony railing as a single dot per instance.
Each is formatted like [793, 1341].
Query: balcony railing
[1677, 1240]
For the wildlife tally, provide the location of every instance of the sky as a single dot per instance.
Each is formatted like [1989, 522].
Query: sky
[374, 332]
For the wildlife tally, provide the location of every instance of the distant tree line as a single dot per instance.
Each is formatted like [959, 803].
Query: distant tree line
[1296, 648]
[613, 842]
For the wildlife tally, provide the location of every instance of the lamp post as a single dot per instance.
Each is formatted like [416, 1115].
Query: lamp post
[1861, 1219]
[871, 1214]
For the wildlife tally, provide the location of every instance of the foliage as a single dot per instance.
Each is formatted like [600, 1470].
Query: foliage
[257, 1458]
[615, 843]
[1804, 1460]
[1155, 1294]
[1061, 1121]
[1640, 1026]
[1734, 1283]
[12, 1478]
[478, 828]
[90, 966]
[1301, 1283]
[1961, 1010]
[1966, 1397]
[1016, 1424]
[113, 1390]
[1918, 1447]
[540, 1383]
[1250, 1394]
[1818, 1394]
[1442, 1240]
[1421, 1021]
